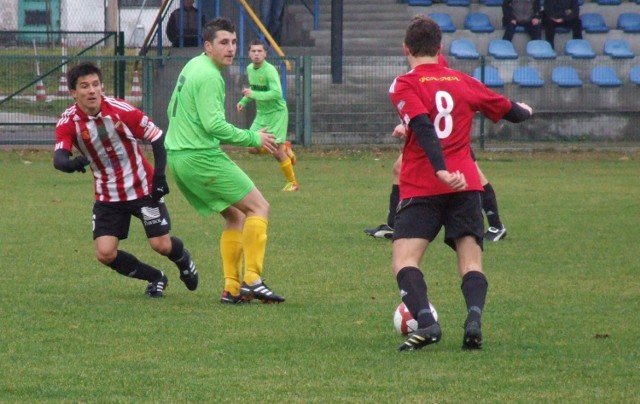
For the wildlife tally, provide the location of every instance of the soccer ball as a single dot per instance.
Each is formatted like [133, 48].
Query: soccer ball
[404, 322]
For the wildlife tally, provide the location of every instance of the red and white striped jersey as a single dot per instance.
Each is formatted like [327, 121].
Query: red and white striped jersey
[110, 140]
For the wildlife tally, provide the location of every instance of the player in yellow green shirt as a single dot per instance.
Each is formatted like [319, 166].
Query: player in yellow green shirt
[207, 177]
[271, 109]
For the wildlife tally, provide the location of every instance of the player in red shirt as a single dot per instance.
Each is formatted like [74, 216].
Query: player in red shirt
[106, 131]
[496, 230]
[439, 183]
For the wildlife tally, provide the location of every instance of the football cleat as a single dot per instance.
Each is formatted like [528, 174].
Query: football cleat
[228, 298]
[495, 234]
[472, 336]
[289, 152]
[421, 338]
[290, 186]
[188, 271]
[382, 231]
[261, 292]
[156, 288]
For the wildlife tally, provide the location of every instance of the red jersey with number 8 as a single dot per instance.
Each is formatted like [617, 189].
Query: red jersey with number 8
[450, 98]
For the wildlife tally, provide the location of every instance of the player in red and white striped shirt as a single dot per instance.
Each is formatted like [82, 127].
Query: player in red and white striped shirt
[107, 133]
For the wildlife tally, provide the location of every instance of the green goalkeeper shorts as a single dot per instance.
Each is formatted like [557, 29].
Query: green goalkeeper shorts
[208, 179]
[275, 122]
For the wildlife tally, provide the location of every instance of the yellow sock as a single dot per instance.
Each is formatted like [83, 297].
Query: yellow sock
[287, 170]
[231, 251]
[254, 244]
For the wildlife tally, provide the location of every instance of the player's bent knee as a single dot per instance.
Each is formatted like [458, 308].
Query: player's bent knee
[161, 244]
[106, 257]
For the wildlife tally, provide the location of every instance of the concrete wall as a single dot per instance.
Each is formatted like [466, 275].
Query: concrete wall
[8, 15]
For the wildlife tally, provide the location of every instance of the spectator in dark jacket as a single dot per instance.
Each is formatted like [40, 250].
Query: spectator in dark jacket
[190, 24]
[561, 13]
[272, 16]
[525, 13]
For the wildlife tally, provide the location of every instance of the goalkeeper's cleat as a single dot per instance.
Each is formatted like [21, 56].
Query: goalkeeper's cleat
[289, 152]
[382, 231]
[472, 335]
[421, 338]
[188, 271]
[495, 234]
[156, 288]
[290, 187]
[261, 292]
[228, 298]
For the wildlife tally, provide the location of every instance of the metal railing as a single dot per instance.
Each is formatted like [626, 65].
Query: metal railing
[358, 111]
[61, 38]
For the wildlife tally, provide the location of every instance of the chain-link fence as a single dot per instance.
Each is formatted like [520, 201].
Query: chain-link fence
[354, 112]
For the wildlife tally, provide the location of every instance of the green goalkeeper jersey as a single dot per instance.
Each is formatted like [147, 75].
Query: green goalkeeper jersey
[266, 89]
[196, 111]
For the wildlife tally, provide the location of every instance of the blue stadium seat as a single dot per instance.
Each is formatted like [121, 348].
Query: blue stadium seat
[526, 76]
[444, 21]
[605, 76]
[463, 49]
[618, 49]
[579, 49]
[634, 75]
[540, 49]
[419, 2]
[478, 22]
[565, 76]
[458, 3]
[609, 2]
[502, 49]
[594, 23]
[629, 22]
[494, 3]
[491, 76]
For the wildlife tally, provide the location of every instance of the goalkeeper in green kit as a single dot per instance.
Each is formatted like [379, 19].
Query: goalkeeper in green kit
[271, 109]
[209, 180]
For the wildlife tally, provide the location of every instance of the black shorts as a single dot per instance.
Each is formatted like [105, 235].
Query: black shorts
[113, 218]
[460, 213]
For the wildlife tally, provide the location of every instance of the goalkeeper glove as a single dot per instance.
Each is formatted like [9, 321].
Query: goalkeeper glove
[78, 164]
[160, 187]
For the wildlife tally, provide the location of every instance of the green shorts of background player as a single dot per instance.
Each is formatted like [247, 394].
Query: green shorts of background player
[271, 109]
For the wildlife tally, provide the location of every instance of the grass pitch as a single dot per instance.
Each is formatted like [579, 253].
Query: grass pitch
[560, 323]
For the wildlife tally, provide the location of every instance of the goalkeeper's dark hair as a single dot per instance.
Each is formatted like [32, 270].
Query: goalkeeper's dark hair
[211, 28]
[81, 70]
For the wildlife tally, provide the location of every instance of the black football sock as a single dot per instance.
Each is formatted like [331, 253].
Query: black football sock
[474, 289]
[128, 265]
[177, 249]
[490, 206]
[413, 290]
[394, 199]
[179, 255]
